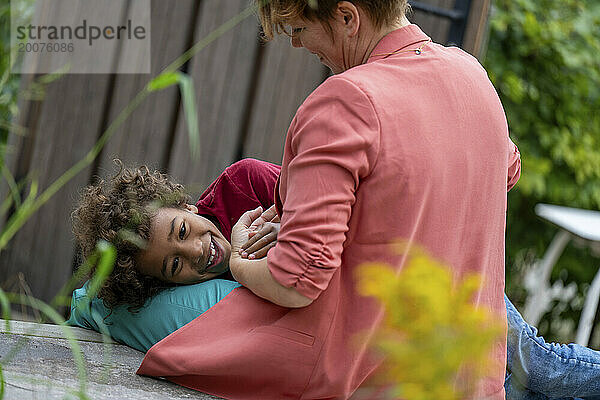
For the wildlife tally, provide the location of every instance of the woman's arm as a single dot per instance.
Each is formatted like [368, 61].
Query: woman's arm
[331, 146]
[255, 275]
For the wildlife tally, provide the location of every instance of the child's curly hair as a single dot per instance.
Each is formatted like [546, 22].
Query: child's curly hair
[120, 211]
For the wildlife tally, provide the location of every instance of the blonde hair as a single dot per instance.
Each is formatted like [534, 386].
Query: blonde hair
[275, 14]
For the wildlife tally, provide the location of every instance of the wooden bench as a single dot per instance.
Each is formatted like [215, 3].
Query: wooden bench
[37, 363]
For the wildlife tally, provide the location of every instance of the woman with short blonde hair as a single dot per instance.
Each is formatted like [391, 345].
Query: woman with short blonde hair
[408, 140]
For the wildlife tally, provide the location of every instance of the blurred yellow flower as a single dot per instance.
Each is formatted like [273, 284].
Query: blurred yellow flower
[436, 343]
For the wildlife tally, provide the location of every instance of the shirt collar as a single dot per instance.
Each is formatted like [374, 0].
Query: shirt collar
[397, 40]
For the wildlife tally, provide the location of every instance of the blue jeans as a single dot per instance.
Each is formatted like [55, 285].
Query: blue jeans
[537, 370]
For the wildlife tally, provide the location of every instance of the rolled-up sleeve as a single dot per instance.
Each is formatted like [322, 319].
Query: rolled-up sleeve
[332, 145]
[514, 165]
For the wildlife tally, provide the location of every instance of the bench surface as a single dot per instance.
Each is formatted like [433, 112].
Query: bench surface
[37, 363]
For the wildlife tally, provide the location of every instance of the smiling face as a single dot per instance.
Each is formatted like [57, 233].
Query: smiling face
[346, 36]
[184, 247]
[314, 37]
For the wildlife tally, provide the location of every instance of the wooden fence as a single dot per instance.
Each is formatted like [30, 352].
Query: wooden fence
[247, 93]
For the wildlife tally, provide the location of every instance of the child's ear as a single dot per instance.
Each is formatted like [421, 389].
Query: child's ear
[191, 208]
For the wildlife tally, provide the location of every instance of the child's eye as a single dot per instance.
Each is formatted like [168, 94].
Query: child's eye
[182, 231]
[175, 265]
[296, 31]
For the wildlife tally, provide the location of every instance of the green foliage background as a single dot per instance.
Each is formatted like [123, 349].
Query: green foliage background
[544, 59]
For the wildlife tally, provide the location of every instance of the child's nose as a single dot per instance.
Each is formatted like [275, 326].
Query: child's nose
[196, 248]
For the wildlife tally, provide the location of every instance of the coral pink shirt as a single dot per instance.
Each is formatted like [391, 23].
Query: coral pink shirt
[405, 146]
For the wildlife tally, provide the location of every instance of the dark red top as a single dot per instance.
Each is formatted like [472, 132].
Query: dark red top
[243, 186]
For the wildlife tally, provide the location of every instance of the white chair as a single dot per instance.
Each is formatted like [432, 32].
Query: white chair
[574, 223]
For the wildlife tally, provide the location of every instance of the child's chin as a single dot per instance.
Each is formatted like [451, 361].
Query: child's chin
[218, 270]
[224, 268]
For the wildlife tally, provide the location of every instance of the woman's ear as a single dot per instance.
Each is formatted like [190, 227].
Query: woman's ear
[349, 17]
[191, 208]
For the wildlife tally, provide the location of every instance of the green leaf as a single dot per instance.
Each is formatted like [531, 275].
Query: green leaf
[188, 98]
[5, 308]
[186, 88]
[1, 383]
[163, 81]
[107, 255]
[531, 26]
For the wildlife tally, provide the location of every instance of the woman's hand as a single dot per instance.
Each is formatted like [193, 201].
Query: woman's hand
[262, 235]
[240, 233]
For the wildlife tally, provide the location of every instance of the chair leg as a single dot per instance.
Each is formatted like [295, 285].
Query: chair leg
[539, 299]
[586, 321]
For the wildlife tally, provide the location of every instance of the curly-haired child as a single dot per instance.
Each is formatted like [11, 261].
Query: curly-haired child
[161, 239]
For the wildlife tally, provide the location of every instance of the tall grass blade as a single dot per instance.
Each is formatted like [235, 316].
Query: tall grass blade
[186, 86]
[211, 37]
[20, 216]
[162, 81]
[12, 184]
[1, 383]
[64, 294]
[5, 308]
[107, 255]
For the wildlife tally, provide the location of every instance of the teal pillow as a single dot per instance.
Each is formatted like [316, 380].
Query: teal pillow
[160, 316]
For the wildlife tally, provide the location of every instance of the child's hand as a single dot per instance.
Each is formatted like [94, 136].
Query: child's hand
[262, 236]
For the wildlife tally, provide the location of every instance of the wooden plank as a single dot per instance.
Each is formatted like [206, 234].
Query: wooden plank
[25, 328]
[69, 122]
[477, 28]
[288, 76]
[60, 134]
[434, 26]
[43, 367]
[475, 35]
[143, 137]
[265, 107]
[222, 74]
[20, 140]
